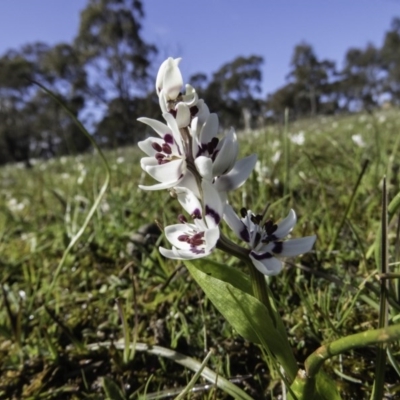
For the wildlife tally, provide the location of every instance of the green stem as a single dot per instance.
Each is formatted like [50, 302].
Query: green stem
[260, 289]
[315, 361]
[261, 292]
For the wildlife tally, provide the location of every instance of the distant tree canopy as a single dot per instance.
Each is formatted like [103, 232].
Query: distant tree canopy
[105, 77]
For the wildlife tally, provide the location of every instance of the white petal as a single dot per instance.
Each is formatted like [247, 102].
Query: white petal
[228, 150]
[200, 118]
[236, 224]
[212, 203]
[176, 254]
[158, 126]
[162, 101]
[189, 201]
[172, 232]
[238, 175]
[171, 171]
[172, 82]
[160, 186]
[190, 97]
[182, 115]
[211, 237]
[189, 182]
[209, 129]
[174, 128]
[147, 161]
[147, 145]
[160, 75]
[286, 225]
[267, 266]
[204, 166]
[295, 247]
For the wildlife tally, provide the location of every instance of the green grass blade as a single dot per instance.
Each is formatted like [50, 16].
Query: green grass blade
[195, 377]
[380, 364]
[100, 195]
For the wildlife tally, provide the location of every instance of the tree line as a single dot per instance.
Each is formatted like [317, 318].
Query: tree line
[106, 78]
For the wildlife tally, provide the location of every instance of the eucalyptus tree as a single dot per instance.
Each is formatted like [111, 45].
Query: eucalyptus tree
[117, 59]
[17, 71]
[31, 123]
[390, 54]
[361, 82]
[234, 89]
[311, 78]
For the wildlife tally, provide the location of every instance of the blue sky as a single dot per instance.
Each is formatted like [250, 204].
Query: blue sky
[209, 33]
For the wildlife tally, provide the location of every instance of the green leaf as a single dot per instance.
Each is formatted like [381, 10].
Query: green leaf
[226, 287]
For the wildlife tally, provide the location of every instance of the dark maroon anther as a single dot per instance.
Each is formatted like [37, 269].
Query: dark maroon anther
[214, 156]
[198, 235]
[270, 227]
[278, 247]
[166, 148]
[169, 138]
[194, 110]
[159, 156]
[254, 219]
[173, 112]
[212, 145]
[196, 214]
[243, 212]
[182, 219]
[215, 142]
[156, 146]
[197, 239]
[183, 238]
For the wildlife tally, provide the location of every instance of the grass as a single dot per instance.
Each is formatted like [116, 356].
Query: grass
[113, 288]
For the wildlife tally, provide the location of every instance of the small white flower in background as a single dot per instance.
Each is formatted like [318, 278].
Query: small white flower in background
[14, 205]
[335, 125]
[262, 171]
[298, 138]
[265, 241]
[382, 119]
[276, 157]
[82, 176]
[120, 160]
[358, 140]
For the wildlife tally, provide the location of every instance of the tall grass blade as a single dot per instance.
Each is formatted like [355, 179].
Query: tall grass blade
[100, 195]
[349, 205]
[195, 378]
[383, 267]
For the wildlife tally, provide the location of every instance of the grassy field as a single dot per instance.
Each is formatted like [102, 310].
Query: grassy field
[61, 325]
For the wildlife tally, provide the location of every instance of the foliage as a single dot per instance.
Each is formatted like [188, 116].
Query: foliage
[47, 336]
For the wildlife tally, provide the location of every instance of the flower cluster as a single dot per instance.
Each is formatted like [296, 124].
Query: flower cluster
[200, 168]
